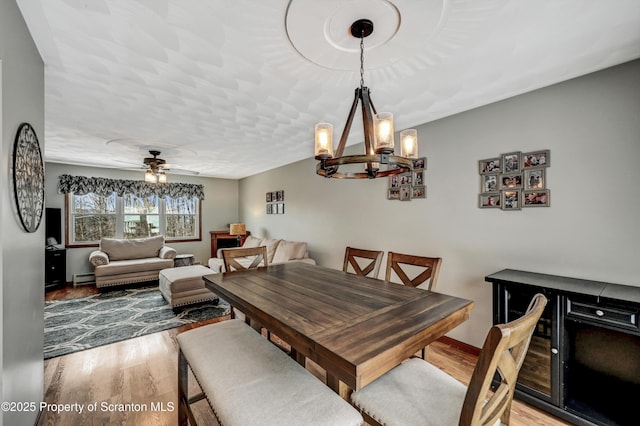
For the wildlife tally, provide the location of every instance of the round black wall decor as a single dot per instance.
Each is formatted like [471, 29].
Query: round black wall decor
[28, 177]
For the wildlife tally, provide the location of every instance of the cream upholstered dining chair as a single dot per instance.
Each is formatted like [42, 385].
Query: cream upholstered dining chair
[354, 258]
[418, 393]
[429, 268]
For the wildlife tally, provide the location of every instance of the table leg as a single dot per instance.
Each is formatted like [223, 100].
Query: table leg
[339, 387]
[300, 359]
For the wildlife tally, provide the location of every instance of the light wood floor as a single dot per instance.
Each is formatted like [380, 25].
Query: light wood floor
[143, 371]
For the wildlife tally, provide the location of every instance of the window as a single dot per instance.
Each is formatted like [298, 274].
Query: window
[181, 217]
[141, 216]
[92, 216]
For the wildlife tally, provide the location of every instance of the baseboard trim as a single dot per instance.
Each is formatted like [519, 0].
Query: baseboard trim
[464, 347]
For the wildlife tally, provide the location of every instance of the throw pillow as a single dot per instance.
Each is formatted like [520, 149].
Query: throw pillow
[289, 250]
[251, 242]
[271, 248]
[98, 258]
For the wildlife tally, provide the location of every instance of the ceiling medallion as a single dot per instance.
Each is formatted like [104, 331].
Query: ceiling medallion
[378, 134]
[28, 178]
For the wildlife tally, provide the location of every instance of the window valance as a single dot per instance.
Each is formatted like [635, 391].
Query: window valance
[81, 185]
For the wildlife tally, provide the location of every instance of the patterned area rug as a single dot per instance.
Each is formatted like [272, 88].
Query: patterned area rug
[73, 325]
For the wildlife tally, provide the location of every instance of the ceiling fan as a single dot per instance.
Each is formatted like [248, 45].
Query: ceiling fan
[156, 168]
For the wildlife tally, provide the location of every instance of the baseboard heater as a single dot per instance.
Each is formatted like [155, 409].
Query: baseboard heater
[84, 279]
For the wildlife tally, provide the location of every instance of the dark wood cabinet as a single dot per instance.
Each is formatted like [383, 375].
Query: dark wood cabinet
[583, 364]
[222, 239]
[55, 268]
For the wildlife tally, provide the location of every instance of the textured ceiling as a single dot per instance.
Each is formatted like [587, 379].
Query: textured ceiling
[234, 88]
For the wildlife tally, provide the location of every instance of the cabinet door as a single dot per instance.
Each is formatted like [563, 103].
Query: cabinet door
[55, 268]
[540, 373]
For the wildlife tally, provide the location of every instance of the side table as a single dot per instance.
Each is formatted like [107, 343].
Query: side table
[183, 260]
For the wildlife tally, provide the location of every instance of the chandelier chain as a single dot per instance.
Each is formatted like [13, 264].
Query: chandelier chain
[362, 60]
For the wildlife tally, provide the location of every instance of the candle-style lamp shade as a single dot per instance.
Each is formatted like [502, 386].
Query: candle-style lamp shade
[409, 143]
[238, 229]
[324, 140]
[383, 132]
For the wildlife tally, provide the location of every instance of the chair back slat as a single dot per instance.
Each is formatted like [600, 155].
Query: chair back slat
[352, 264]
[231, 263]
[397, 263]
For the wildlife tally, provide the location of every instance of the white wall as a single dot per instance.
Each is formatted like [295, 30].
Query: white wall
[219, 208]
[21, 253]
[592, 127]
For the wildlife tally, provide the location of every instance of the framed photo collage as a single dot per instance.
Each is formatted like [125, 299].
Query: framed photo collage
[514, 180]
[410, 185]
[275, 202]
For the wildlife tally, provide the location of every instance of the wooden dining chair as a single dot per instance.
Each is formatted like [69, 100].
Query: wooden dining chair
[229, 257]
[429, 268]
[353, 257]
[418, 393]
[231, 264]
[422, 268]
[260, 260]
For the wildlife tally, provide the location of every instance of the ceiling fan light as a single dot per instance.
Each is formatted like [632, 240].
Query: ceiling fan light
[162, 177]
[149, 176]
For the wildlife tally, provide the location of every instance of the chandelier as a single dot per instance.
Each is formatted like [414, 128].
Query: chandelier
[378, 134]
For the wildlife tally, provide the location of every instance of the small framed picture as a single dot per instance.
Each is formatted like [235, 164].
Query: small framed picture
[268, 197]
[419, 191]
[511, 180]
[404, 179]
[488, 201]
[393, 194]
[534, 179]
[418, 177]
[394, 181]
[489, 183]
[269, 208]
[490, 165]
[280, 208]
[420, 163]
[536, 159]
[279, 196]
[274, 195]
[511, 199]
[536, 198]
[511, 162]
[405, 192]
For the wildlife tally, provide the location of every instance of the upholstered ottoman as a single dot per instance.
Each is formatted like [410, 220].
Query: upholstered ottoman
[184, 285]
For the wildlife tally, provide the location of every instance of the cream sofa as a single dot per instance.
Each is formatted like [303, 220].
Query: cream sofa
[278, 251]
[127, 261]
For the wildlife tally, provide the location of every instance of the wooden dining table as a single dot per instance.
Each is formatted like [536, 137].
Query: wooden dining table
[356, 328]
